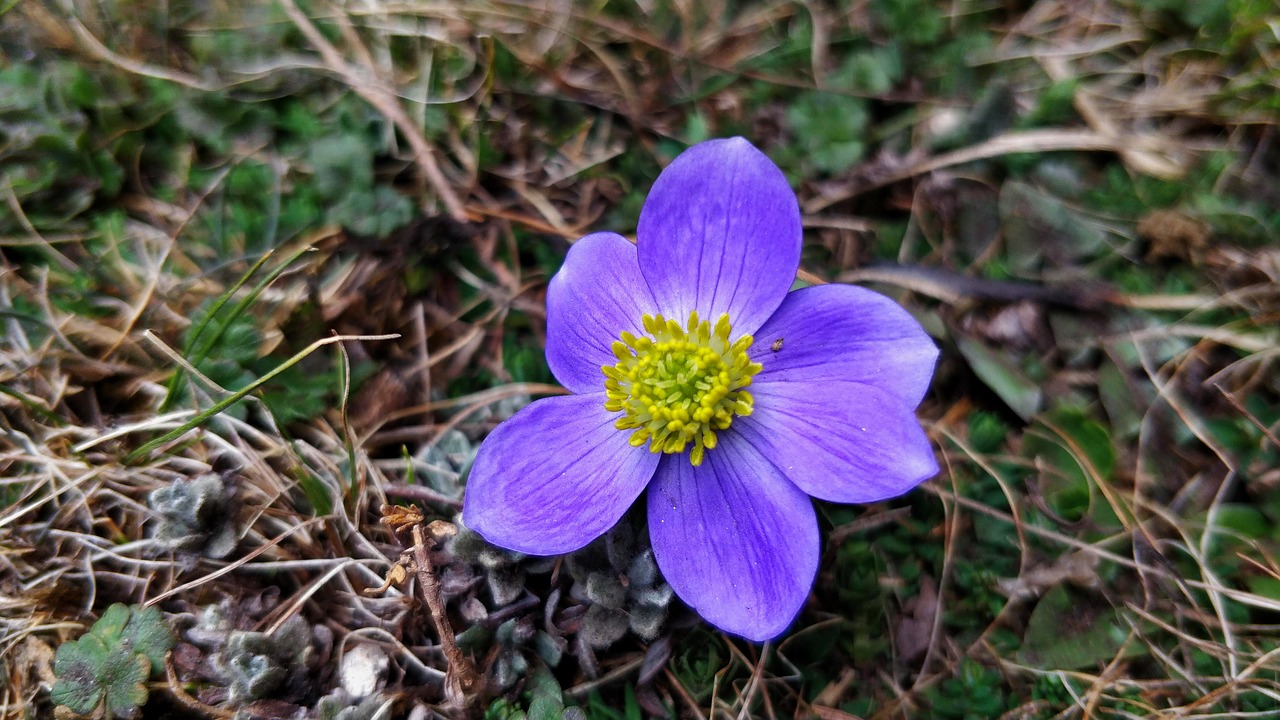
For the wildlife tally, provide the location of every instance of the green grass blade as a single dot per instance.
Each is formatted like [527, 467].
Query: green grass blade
[239, 395]
[195, 356]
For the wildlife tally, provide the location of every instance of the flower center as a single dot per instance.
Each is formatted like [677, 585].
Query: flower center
[679, 385]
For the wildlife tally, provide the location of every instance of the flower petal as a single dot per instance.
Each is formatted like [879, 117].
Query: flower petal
[846, 333]
[839, 440]
[597, 294]
[554, 477]
[734, 538]
[720, 233]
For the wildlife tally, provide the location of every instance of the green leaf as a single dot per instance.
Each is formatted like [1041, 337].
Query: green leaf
[1122, 398]
[545, 708]
[1073, 450]
[1246, 520]
[1267, 586]
[986, 432]
[916, 22]
[108, 667]
[376, 212]
[124, 677]
[1003, 376]
[150, 636]
[300, 394]
[630, 706]
[829, 128]
[696, 129]
[1039, 229]
[1070, 631]
[317, 492]
[543, 684]
[77, 665]
[875, 71]
[110, 627]
[343, 165]
[1055, 105]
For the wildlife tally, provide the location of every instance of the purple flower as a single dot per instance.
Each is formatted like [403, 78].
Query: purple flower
[698, 376]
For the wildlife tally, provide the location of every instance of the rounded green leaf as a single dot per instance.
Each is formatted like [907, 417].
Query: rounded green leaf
[111, 625]
[78, 666]
[149, 634]
[124, 679]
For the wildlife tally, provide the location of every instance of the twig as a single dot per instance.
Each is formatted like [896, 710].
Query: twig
[176, 691]
[680, 690]
[101, 52]
[583, 689]
[232, 566]
[753, 685]
[1146, 160]
[867, 522]
[462, 682]
[1018, 141]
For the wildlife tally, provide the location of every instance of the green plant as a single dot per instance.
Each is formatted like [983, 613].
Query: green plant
[975, 691]
[503, 570]
[343, 167]
[618, 576]
[519, 646]
[194, 517]
[545, 701]
[698, 663]
[255, 664]
[829, 129]
[104, 673]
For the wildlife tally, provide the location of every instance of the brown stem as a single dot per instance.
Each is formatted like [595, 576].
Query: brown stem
[180, 695]
[462, 682]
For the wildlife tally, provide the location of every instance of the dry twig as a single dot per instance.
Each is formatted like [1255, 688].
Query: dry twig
[463, 684]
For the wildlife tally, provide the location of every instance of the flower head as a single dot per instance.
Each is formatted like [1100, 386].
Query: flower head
[697, 375]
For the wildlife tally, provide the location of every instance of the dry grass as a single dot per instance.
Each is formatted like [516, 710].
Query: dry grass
[84, 393]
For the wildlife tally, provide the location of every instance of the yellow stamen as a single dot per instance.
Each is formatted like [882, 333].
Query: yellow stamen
[680, 385]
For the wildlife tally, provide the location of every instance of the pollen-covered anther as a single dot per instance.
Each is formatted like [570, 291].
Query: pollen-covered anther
[679, 386]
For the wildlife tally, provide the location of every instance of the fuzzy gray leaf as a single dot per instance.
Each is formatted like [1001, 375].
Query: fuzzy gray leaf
[647, 620]
[606, 589]
[253, 677]
[506, 584]
[602, 626]
[643, 570]
[657, 597]
[620, 545]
